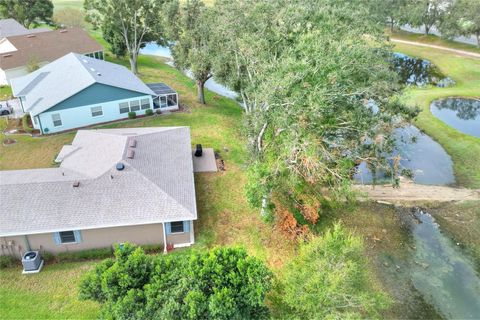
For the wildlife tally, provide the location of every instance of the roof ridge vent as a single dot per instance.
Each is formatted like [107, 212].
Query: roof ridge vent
[130, 154]
[132, 143]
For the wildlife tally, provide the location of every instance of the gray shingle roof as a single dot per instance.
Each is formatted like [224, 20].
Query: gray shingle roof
[156, 185]
[68, 75]
[10, 28]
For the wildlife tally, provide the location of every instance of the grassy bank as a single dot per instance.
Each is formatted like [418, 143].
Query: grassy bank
[464, 149]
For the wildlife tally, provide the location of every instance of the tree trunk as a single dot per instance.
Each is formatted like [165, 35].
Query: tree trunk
[427, 29]
[391, 25]
[200, 91]
[133, 63]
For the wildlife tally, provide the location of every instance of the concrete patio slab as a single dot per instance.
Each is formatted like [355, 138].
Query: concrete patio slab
[205, 163]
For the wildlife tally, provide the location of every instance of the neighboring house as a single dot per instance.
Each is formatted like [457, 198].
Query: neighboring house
[76, 91]
[10, 27]
[112, 186]
[19, 54]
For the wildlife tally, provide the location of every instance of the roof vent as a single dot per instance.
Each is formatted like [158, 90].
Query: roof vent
[63, 31]
[99, 74]
[31, 36]
[92, 69]
[120, 166]
[7, 55]
[76, 184]
[85, 60]
[130, 154]
[132, 143]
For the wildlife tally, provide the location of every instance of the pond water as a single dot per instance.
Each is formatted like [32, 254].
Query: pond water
[459, 113]
[441, 272]
[419, 72]
[420, 154]
[162, 51]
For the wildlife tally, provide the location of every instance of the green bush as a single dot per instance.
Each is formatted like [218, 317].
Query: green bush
[48, 256]
[328, 279]
[152, 248]
[25, 121]
[148, 112]
[91, 254]
[7, 262]
[222, 283]
[132, 115]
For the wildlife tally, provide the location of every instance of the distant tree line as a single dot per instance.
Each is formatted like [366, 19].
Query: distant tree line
[451, 17]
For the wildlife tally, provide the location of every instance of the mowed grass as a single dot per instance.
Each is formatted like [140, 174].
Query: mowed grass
[50, 294]
[464, 149]
[224, 217]
[62, 4]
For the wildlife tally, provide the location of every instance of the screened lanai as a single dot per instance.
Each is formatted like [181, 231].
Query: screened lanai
[166, 98]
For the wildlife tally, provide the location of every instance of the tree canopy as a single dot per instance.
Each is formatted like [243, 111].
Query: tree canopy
[189, 29]
[127, 24]
[222, 283]
[27, 12]
[306, 93]
[463, 19]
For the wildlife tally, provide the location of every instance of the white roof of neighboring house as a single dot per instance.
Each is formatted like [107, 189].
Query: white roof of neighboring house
[156, 185]
[10, 28]
[67, 76]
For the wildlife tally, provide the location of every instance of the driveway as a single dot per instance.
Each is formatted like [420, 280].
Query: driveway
[17, 108]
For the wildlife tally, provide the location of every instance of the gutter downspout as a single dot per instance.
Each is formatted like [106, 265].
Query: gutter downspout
[164, 239]
[27, 243]
[40, 123]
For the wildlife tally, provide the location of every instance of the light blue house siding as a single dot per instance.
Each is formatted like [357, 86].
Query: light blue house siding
[96, 104]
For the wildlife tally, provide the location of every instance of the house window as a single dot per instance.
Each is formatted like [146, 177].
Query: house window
[134, 105]
[57, 121]
[123, 107]
[163, 102]
[66, 237]
[172, 100]
[145, 103]
[176, 227]
[35, 120]
[97, 111]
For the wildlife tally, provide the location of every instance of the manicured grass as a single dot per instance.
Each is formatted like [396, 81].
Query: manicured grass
[5, 92]
[62, 4]
[434, 40]
[464, 149]
[50, 294]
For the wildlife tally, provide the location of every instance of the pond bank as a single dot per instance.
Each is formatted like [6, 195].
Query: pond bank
[414, 259]
[411, 192]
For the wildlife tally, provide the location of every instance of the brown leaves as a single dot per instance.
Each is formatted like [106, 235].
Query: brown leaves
[288, 224]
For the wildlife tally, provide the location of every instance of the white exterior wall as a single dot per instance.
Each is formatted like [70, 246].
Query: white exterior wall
[82, 116]
[3, 78]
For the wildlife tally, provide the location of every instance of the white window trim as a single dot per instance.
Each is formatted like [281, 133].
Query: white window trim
[73, 242]
[139, 106]
[128, 107]
[91, 111]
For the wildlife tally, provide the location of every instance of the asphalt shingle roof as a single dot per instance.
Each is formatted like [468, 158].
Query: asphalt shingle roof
[68, 75]
[156, 185]
[10, 27]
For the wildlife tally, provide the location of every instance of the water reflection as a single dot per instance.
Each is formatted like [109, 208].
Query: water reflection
[459, 113]
[419, 72]
[420, 154]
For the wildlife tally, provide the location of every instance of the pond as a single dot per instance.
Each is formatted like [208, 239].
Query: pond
[439, 270]
[424, 157]
[419, 72]
[460, 113]
[163, 51]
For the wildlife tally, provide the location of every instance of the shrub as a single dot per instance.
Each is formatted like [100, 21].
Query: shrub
[91, 254]
[7, 262]
[158, 111]
[152, 248]
[223, 283]
[25, 123]
[148, 112]
[132, 115]
[328, 280]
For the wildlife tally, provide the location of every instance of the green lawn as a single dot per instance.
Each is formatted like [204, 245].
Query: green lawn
[50, 294]
[62, 4]
[464, 149]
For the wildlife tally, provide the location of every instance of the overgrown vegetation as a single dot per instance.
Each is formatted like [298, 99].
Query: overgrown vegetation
[222, 283]
[328, 279]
